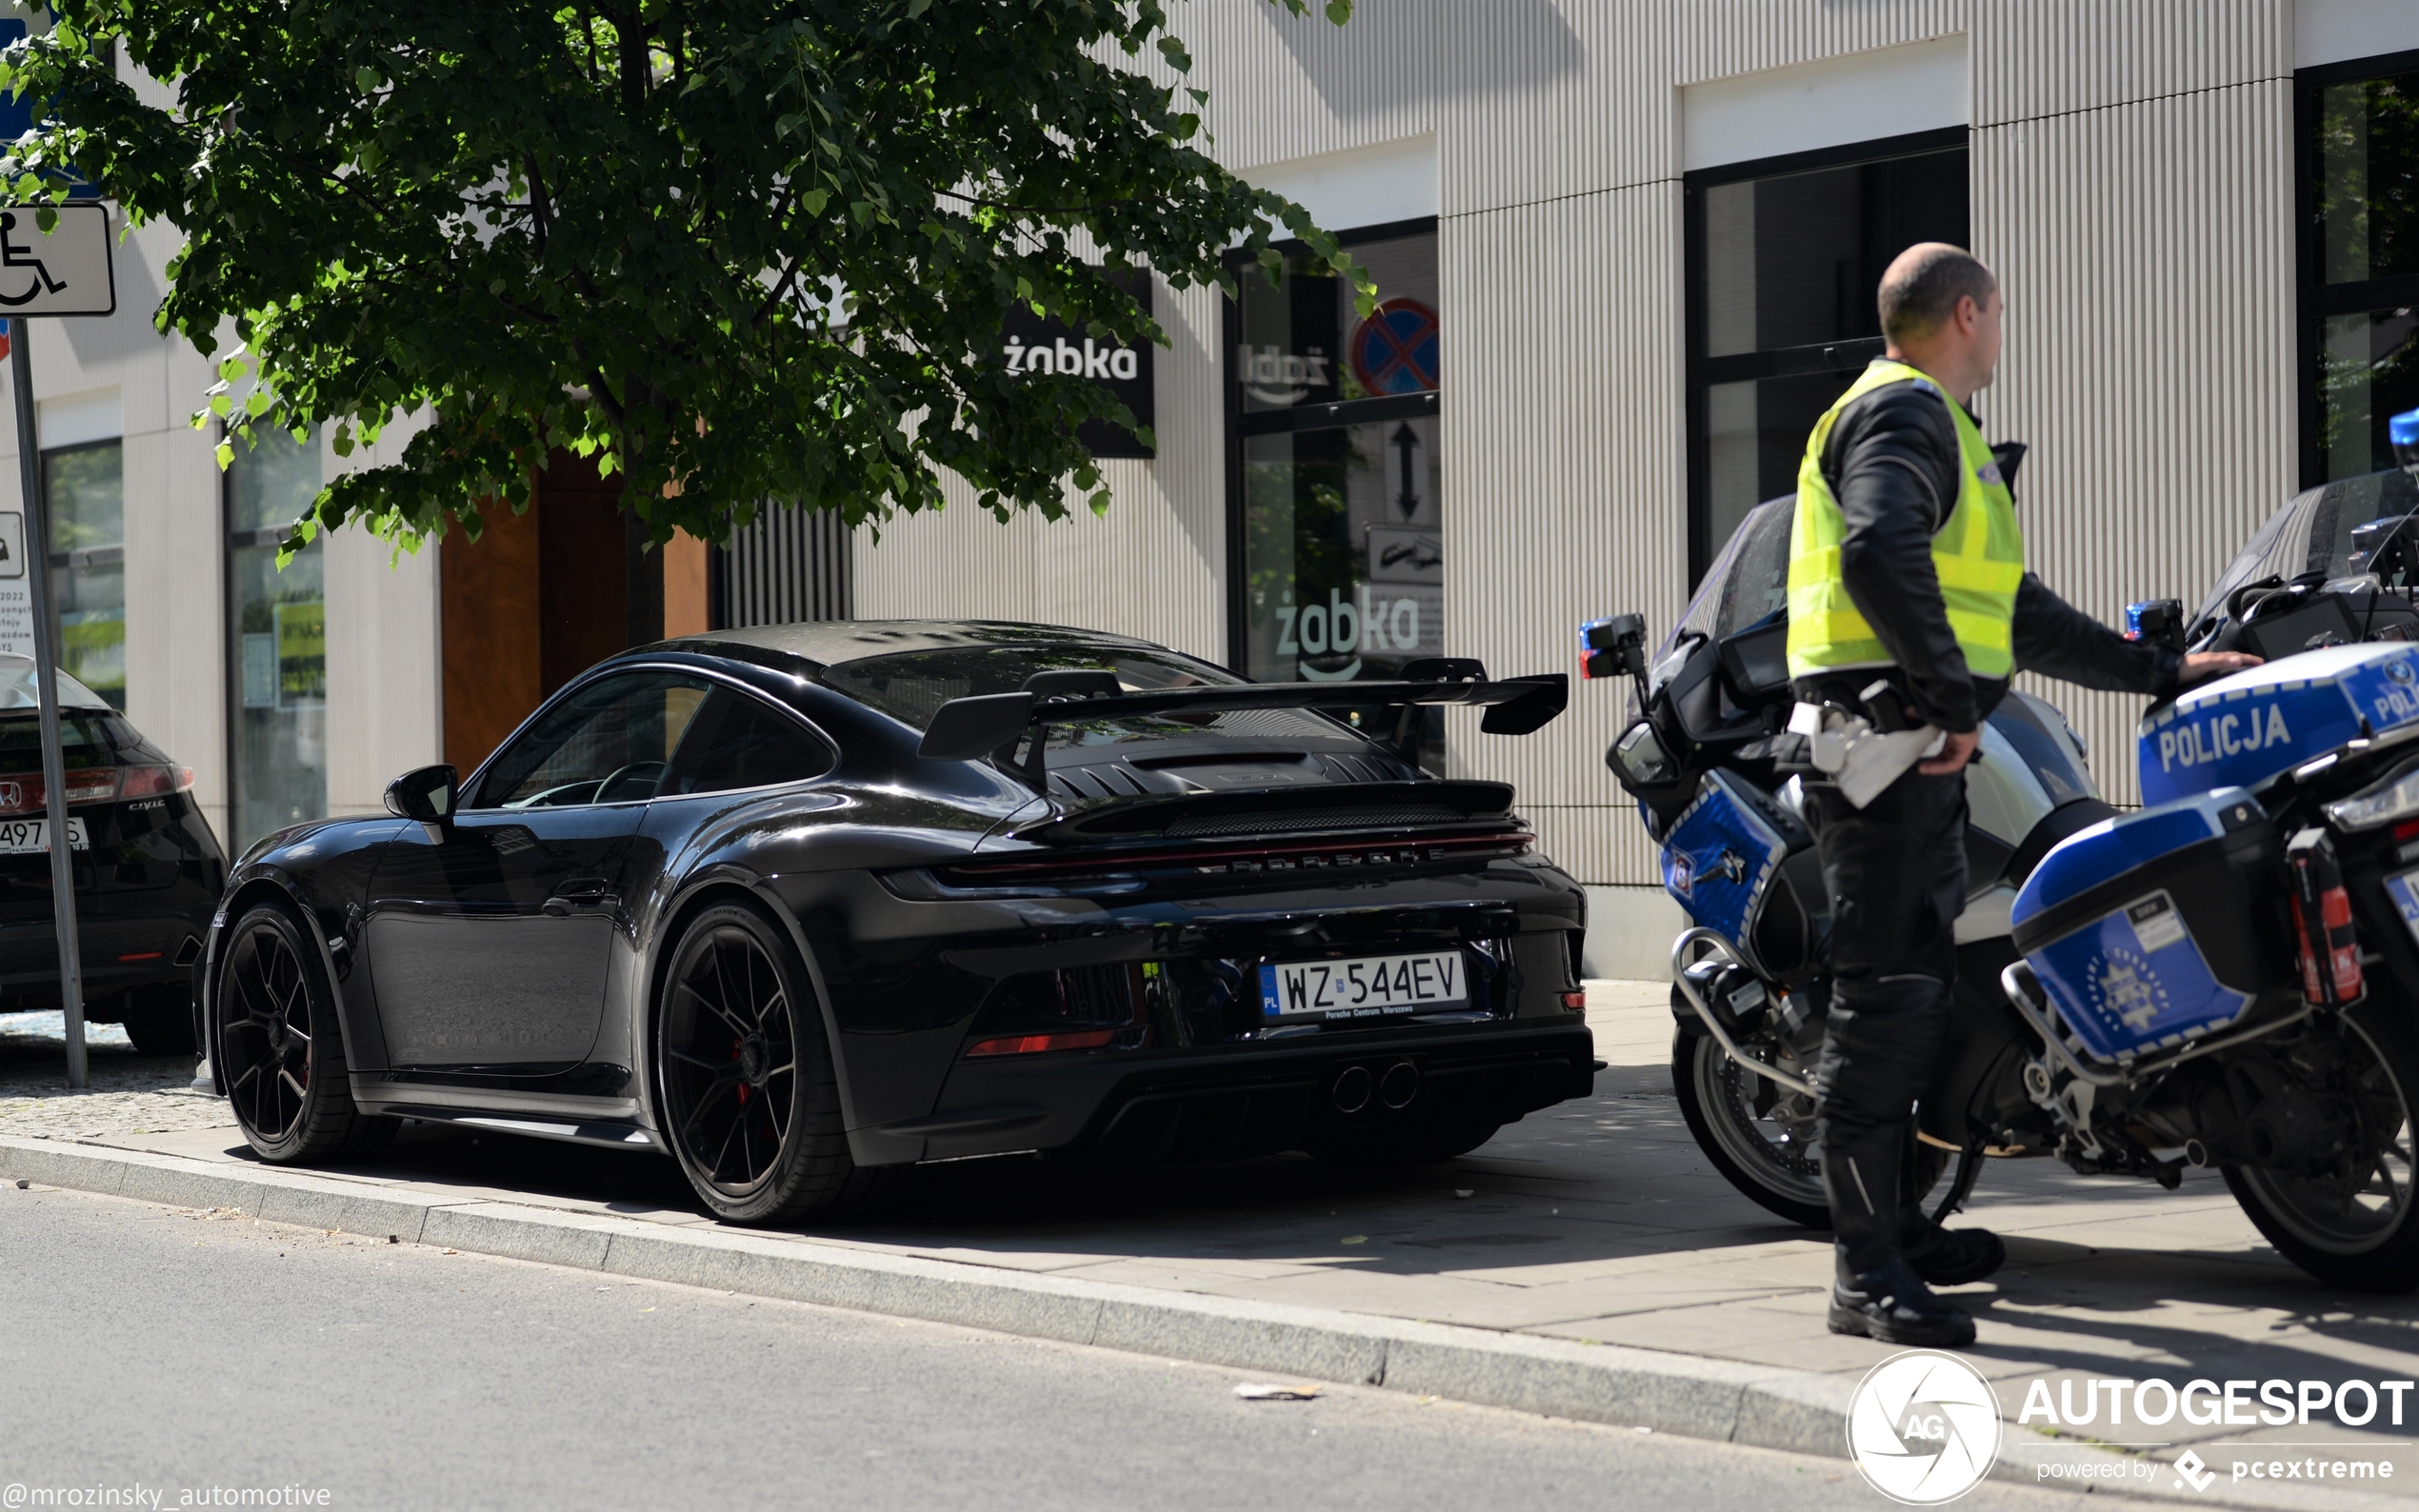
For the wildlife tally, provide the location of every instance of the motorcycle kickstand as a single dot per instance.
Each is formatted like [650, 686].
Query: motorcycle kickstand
[1962, 1184]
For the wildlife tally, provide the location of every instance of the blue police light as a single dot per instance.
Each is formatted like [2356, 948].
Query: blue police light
[2402, 430]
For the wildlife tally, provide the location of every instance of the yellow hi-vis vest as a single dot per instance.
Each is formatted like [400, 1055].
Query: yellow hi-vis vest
[1978, 553]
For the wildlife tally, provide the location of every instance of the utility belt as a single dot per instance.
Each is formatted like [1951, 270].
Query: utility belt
[1865, 740]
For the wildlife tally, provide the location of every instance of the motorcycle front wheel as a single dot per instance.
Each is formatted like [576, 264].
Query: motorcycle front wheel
[1760, 1135]
[2349, 1217]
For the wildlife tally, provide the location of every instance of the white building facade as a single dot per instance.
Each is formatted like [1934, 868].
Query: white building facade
[1656, 230]
[1626, 250]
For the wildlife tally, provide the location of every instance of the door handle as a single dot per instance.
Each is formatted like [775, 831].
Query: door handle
[577, 892]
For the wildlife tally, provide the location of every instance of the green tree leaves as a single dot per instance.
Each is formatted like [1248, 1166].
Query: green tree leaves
[746, 254]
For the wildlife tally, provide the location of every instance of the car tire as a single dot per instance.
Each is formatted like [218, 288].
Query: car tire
[281, 1050]
[2320, 1219]
[748, 1091]
[159, 1020]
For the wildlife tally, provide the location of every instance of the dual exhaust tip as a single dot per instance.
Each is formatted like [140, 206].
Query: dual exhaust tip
[1355, 1087]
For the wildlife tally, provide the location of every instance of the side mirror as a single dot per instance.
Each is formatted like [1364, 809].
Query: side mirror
[424, 794]
[1639, 759]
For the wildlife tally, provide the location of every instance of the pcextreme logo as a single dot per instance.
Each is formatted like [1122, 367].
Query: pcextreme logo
[1923, 1427]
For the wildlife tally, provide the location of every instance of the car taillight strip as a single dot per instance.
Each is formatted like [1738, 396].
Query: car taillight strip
[1281, 857]
[1035, 1044]
[25, 793]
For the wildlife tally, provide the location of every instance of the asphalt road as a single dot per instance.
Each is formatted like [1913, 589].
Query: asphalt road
[179, 1351]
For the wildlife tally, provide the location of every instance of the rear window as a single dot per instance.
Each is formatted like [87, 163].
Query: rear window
[85, 740]
[911, 686]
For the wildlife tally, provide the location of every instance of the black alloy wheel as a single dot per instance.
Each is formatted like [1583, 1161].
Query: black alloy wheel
[751, 1097]
[281, 1051]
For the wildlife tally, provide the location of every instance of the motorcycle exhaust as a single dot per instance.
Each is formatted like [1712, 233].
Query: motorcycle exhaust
[1693, 979]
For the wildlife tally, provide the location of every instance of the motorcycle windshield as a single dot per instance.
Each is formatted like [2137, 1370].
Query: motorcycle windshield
[2310, 533]
[1748, 582]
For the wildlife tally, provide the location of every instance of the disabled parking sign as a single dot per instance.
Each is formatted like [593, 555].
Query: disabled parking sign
[63, 271]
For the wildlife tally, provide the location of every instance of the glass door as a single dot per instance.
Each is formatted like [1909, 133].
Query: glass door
[277, 643]
[1338, 488]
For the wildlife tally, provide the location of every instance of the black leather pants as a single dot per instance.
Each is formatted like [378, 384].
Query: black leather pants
[1895, 872]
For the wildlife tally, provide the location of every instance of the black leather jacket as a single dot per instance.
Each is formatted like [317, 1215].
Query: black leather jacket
[1893, 463]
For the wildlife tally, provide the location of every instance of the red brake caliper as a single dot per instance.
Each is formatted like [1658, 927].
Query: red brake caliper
[743, 1086]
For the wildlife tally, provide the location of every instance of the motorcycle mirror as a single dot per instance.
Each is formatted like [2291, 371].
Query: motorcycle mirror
[1638, 757]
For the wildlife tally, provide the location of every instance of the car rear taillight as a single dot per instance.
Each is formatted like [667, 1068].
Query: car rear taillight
[147, 781]
[1034, 1043]
[25, 793]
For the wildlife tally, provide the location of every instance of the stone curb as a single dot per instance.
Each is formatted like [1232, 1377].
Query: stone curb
[1793, 1410]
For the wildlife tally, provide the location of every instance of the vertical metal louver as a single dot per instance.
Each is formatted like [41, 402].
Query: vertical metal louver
[787, 566]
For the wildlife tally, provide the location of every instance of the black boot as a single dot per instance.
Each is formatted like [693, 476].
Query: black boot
[1874, 1291]
[1942, 1256]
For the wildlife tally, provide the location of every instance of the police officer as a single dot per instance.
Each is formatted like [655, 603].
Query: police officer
[1909, 609]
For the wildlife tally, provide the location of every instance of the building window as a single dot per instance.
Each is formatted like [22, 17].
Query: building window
[2360, 260]
[1336, 504]
[277, 642]
[1784, 257]
[84, 488]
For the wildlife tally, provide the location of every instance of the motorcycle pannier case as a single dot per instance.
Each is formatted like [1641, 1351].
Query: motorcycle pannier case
[2158, 927]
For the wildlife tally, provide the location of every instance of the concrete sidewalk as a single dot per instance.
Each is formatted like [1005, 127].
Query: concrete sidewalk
[1592, 1232]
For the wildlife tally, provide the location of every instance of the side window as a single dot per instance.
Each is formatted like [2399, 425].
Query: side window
[609, 742]
[742, 741]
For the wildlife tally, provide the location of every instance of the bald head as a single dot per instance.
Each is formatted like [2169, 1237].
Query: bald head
[1940, 313]
[1922, 286]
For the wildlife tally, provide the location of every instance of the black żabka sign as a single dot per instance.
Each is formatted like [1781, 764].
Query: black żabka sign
[1033, 345]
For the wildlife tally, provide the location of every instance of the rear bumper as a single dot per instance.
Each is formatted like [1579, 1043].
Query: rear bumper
[1240, 1101]
[137, 950]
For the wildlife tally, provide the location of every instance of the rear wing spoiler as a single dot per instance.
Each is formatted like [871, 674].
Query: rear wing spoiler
[994, 724]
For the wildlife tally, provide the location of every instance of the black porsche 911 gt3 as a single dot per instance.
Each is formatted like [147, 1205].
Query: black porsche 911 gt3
[801, 904]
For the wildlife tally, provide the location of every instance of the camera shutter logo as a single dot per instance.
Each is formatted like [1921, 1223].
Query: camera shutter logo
[1923, 1427]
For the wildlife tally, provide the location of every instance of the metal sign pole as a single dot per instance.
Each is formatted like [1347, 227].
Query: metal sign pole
[46, 682]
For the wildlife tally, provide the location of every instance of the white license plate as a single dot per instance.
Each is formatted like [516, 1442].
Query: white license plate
[1366, 988]
[2403, 890]
[31, 837]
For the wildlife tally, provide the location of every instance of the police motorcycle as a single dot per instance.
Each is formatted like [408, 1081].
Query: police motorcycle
[2227, 976]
